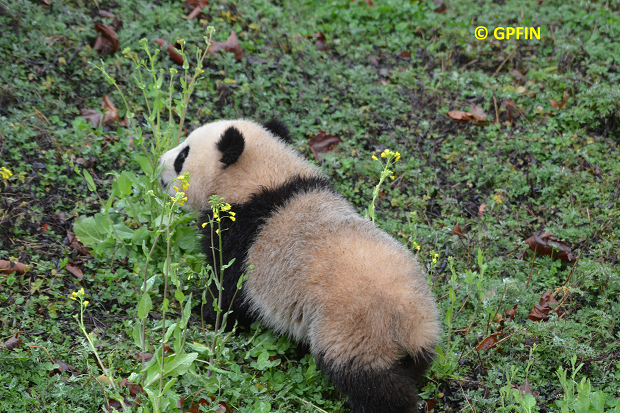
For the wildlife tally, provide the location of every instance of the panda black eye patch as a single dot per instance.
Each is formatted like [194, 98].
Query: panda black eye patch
[180, 160]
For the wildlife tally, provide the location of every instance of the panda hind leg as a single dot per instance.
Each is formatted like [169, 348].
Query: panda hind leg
[389, 390]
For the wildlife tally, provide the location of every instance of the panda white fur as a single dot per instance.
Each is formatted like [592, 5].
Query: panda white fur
[322, 274]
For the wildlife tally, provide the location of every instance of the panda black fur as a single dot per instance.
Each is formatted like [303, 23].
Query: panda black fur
[322, 274]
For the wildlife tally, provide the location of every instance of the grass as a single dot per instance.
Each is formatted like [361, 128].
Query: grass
[388, 78]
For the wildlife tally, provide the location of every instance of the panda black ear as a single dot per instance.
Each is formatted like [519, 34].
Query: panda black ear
[279, 129]
[231, 144]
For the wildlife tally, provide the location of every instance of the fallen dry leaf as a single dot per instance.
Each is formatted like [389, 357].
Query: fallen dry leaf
[558, 105]
[320, 42]
[110, 114]
[116, 23]
[222, 407]
[322, 143]
[230, 45]
[481, 209]
[62, 366]
[541, 311]
[526, 387]
[477, 111]
[547, 244]
[96, 118]
[488, 342]
[13, 342]
[196, 7]
[8, 267]
[107, 41]
[75, 271]
[509, 104]
[431, 403]
[75, 244]
[91, 115]
[195, 407]
[134, 389]
[457, 230]
[174, 53]
[147, 356]
[442, 6]
[460, 116]
[512, 313]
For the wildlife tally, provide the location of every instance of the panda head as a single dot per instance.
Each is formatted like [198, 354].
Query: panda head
[233, 159]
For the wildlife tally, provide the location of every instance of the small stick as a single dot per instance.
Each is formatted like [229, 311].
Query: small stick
[573, 269]
[496, 111]
[504, 62]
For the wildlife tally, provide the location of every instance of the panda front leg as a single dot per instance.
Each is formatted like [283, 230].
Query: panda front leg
[387, 390]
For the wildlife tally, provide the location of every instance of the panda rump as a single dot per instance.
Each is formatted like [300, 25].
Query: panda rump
[321, 273]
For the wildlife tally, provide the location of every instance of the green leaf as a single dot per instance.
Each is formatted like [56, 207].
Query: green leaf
[449, 317]
[139, 235]
[137, 335]
[149, 282]
[187, 310]
[145, 164]
[178, 294]
[92, 230]
[89, 181]
[123, 231]
[178, 364]
[124, 184]
[169, 331]
[185, 238]
[145, 305]
[168, 385]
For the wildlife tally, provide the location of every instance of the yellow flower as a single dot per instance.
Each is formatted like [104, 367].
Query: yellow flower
[418, 247]
[6, 174]
[392, 177]
[384, 154]
[498, 199]
[175, 188]
[185, 186]
[232, 218]
[232, 213]
[81, 291]
[215, 215]
[205, 224]
[226, 207]
[375, 158]
[217, 231]
[73, 298]
[85, 303]
[181, 178]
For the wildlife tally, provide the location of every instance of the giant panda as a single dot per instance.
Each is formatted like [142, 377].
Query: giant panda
[322, 274]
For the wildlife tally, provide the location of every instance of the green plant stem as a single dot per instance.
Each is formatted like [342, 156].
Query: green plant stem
[163, 317]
